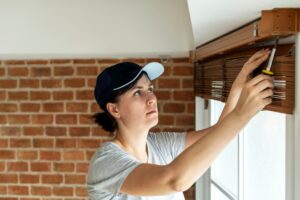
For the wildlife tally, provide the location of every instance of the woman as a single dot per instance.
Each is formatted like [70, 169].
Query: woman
[137, 164]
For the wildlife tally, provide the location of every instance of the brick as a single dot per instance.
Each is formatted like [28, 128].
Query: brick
[74, 82]
[169, 83]
[66, 143]
[40, 190]
[166, 120]
[7, 154]
[84, 61]
[51, 83]
[174, 107]
[97, 131]
[8, 107]
[184, 95]
[8, 84]
[39, 95]
[53, 107]
[56, 131]
[17, 95]
[3, 143]
[33, 131]
[40, 71]
[73, 155]
[108, 61]
[79, 131]
[75, 179]
[2, 168]
[64, 167]
[85, 95]
[17, 190]
[89, 143]
[42, 119]
[63, 71]
[60, 61]
[29, 178]
[20, 143]
[82, 167]
[188, 83]
[163, 95]
[43, 142]
[77, 107]
[37, 62]
[91, 82]
[10, 131]
[81, 191]
[17, 71]
[63, 191]
[14, 62]
[191, 107]
[29, 83]
[135, 60]
[89, 154]
[63, 95]
[17, 166]
[50, 155]
[30, 107]
[27, 155]
[3, 119]
[183, 70]
[87, 71]
[3, 189]
[40, 166]
[185, 120]
[18, 119]
[66, 119]
[52, 179]
[95, 108]
[86, 119]
[8, 178]
[2, 71]
[2, 95]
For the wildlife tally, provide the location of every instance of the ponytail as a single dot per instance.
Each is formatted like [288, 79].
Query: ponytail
[106, 121]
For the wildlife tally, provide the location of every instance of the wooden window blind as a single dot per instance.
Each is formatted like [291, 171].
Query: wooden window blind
[214, 76]
[218, 62]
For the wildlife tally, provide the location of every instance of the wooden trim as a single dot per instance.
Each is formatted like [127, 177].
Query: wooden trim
[277, 22]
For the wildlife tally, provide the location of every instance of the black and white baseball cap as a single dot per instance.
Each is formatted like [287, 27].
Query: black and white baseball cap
[120, 75]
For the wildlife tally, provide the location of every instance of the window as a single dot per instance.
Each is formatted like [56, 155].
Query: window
[252, 166]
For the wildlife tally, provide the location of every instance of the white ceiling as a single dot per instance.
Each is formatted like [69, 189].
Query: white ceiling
[212, 18]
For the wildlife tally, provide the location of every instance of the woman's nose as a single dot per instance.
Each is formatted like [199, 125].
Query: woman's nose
[151, 99]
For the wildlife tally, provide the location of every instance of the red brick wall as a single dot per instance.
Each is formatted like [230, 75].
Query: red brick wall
[46, 135]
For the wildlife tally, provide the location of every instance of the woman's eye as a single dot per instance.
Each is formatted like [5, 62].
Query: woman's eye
[150, 89]
[137, 93]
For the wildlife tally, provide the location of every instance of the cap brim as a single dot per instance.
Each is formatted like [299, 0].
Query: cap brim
[153, 70]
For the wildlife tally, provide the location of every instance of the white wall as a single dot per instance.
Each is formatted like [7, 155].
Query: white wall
[103, 28]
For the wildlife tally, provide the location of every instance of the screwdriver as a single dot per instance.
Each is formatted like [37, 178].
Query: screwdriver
[268, 69]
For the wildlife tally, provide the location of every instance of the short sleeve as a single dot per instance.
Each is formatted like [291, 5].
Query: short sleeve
[108, 170]
[170, 144]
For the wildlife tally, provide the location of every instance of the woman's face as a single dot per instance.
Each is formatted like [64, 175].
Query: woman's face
[138, 106]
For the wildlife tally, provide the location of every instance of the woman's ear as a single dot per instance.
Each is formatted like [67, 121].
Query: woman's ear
[113, 110]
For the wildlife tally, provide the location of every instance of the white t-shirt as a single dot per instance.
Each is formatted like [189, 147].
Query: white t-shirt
[110, 166]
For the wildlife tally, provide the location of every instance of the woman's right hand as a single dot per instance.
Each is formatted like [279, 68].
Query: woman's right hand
[255, 95]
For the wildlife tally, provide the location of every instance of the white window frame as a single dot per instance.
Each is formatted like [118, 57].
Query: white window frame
[292, 173]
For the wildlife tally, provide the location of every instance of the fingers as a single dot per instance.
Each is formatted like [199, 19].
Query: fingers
[256, 60]
[266, 93]
[258, 79]
[257, 55]
[263, 85]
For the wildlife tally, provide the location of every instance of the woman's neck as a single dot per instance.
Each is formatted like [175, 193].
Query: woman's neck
[134, 142]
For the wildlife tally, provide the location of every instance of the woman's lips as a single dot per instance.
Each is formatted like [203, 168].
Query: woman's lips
[151, 112]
